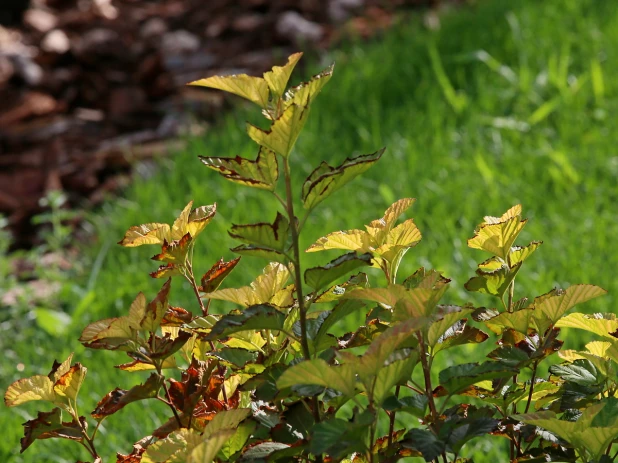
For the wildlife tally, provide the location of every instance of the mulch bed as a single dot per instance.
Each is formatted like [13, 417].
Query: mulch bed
[82, 81]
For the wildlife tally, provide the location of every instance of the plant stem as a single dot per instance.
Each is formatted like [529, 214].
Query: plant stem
[191, 279]
[299, 284]
[169, 398]
[427, 375]
[297, 268]
[531, 387]
[511, 292]
[391, 424]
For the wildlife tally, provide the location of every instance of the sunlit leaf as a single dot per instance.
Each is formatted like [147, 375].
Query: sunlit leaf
[350, 240]
[380, 228]
[272, 236]
[560, 301]
[277, 78]
[37, 387]
[261, 173]
[137, 365]
[155, 310]
[596, 324]
[519, 254]
[49, 425]
[497, 236]
[254, 89]
[320, 373]
[256, 317]
[514, 211]
[189, 221]
[306, 92]
[206, 451]
[262, 290]
[319, 277]
[68, 384]
[213, 278]
[325, 180]
[284, 131]
[118, 398]
[494, 282]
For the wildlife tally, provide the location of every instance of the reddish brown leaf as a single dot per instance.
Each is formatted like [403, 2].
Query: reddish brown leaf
[176, 316]
[118, 398]
[174, 252]
[136, 455]
[49, 425]
[166, 346]
[213, 278]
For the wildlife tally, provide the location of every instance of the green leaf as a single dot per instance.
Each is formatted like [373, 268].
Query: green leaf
[406, 303]
[49, 425]
[264, 235]
[555, 303]
[254, 89]
[469, 429]
[325, 180]
[54, 322]
[256, 317]
[415, 404]
[263, 450]
[339, 312]
[375, 357]
[238, 440]
[118, 398]
[494, 282]
[459, 334]
[206, 451]
[388, 377]
[509, 355]
[457, 378]
[597, 324]
[319, 277]
[226, 419]
[339, 438]
[284, 131]
[318, 372]
[424, 441]
[277, 78]
[580, 372]
[447, 322]
[257, 251]
[261, 173]
[306, 92]
[335, 292]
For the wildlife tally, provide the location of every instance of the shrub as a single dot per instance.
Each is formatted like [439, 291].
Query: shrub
[272, 381]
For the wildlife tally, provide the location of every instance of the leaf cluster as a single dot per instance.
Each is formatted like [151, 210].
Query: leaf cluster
[273, 379]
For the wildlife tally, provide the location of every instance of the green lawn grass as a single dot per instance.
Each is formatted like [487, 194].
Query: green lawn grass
[509, 102]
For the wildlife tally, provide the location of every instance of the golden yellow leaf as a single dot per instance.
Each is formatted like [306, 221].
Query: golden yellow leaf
[254, 89]
[37, 387]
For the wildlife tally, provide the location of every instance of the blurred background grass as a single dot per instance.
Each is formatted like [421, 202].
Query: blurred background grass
[506, 103]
